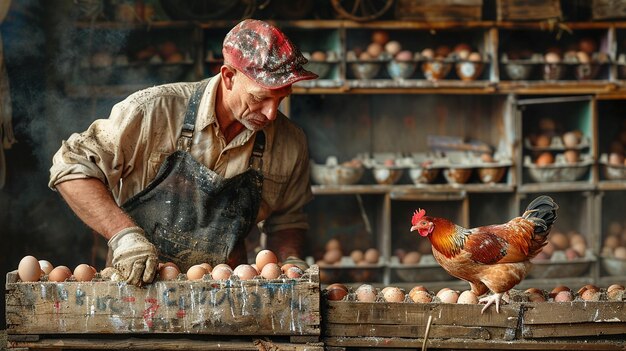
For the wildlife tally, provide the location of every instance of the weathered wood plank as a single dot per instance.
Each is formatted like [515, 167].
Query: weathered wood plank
[253, 307]
[608, 9]
[414, 331]
[574, 312]
[572, 330]
[465, 344]
[346, 312]
[163, 344]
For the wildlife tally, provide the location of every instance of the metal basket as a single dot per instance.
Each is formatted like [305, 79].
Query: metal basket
[336, 174]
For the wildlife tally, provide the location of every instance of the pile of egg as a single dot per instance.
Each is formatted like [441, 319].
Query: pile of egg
[614, 244]
[563, 247]
[419, 294]
[266, 266]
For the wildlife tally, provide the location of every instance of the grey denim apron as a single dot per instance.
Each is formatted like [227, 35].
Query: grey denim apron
[192, 214]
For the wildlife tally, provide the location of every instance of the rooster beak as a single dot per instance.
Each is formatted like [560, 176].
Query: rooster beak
[413, 228]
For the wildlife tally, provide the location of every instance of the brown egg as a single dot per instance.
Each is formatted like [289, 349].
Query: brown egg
[332, 256]
[580, 248]
[548, 249]
[59, 274]
[264, 257]
[271, 271]
[448, 295]
[371, 256]
[615, 292]
[486, 157]
[612, 241]
[564, 296]
[571, 254]
[587, 45]
[616, 159]
[29, 270]
[615, 228]
[374, 50]
[294, 272]
[552, 57]
[559, 240]
[336, 291]
[245, 271]
[442, 51]
[221, 272]
[475, 57]
[357, 256]
[620, 252]
[380, 37]
[428, 53]
[332, 244]
[535, 295]
[543, 141]
[45, 266]
[318, 56]
[419, 294]
[84, 273]
[196, 272]
[207, 267]
[570, 139]
[544, 159]
[366, 293]
[393, 47]
[404, 55]
[467, 297]
[571, 156]
[168, 272]
[393, 294]
[589, 292]
[558, 289]
[412, 257]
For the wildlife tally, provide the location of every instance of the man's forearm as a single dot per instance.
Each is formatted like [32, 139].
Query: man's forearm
[285, 243]
[93, 204]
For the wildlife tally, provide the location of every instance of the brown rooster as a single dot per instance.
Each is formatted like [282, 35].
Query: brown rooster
[494, 257]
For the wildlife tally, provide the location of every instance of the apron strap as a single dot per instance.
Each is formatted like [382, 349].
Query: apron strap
[184, 141]
[256, 159]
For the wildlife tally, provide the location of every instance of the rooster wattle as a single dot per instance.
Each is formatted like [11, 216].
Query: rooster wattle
[493, 257]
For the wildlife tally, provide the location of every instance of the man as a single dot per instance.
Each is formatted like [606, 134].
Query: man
[183, 171]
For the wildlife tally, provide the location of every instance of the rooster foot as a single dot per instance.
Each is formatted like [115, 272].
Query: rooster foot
[495, 298]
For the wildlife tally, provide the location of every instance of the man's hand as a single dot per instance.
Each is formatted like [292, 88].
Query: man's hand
[134, 256]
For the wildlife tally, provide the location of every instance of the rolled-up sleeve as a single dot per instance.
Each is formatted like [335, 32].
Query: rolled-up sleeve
[104, 151]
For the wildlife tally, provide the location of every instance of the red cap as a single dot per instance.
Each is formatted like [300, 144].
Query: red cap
[264, 54]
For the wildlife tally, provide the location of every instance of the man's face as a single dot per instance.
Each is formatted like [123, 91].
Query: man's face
[256, 106]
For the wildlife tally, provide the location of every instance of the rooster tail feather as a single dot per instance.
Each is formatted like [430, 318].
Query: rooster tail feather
[542, 212]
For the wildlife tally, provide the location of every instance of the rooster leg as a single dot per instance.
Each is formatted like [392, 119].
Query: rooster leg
[491, 299]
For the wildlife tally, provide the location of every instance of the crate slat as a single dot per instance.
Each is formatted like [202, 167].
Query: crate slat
[572, 330]
[252, 307]
[574, 312]
[343, 312]
[413, 331]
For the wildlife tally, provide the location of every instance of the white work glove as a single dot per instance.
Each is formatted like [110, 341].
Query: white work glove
[134, 256]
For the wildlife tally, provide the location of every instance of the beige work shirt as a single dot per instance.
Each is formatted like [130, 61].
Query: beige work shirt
[126, 150]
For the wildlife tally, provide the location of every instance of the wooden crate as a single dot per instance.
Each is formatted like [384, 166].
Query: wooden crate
[409, 320]
[439, 10]
[258, 307]
[528, 10]
[608, 9]
[585, 319]
[578, 325]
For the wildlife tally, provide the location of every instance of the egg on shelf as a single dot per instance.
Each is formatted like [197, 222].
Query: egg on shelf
[412, 257]
[380, 37]
[336, 291]
[467, 297]
[168, 272]
[371, 256]
[357, 256]
[419, 294]
[46, 266]
[544, 159]
[393, 47]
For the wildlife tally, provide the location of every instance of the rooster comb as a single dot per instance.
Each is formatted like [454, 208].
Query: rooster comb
[418, 215]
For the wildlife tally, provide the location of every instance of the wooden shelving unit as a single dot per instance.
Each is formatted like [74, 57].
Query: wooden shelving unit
[493, 106]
